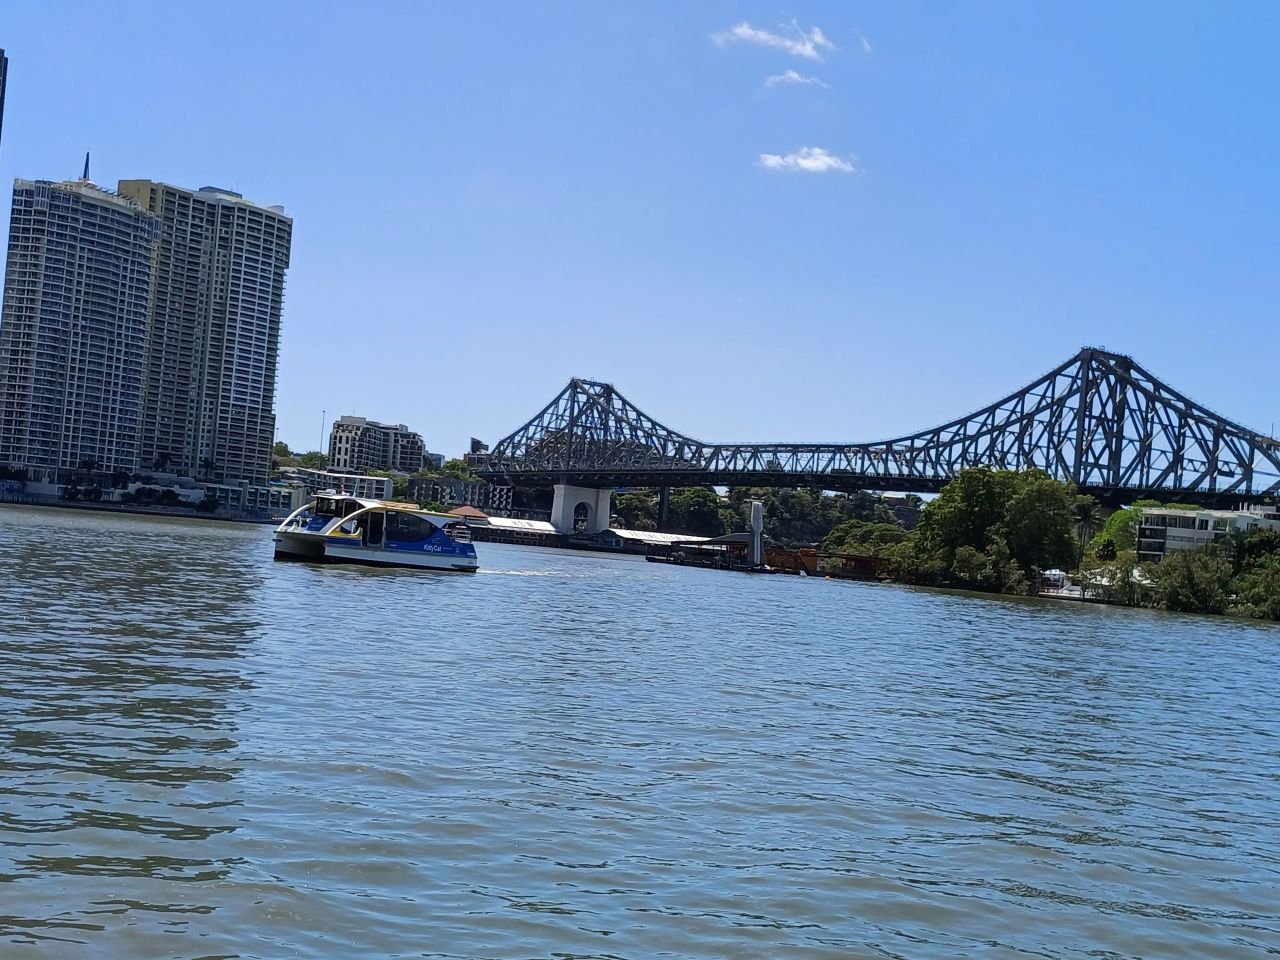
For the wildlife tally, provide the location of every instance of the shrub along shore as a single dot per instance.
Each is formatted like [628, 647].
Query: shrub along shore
[998, 530]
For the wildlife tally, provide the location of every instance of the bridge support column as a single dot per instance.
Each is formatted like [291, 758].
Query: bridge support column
[573, 504]
[664, 506]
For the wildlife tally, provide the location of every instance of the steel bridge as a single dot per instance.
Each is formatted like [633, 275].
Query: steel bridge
[1099, 420]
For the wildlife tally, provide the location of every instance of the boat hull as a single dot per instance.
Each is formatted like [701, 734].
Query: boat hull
[318, 549]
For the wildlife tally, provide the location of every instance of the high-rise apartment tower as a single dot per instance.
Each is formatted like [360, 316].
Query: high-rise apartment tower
[76, 292]
[213, 331]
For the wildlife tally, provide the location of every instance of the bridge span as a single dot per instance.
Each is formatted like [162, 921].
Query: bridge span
[1098, 420]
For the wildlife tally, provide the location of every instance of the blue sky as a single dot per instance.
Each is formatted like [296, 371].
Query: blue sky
[491, 198]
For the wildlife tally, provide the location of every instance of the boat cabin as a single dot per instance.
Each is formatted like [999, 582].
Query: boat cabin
[337, 526]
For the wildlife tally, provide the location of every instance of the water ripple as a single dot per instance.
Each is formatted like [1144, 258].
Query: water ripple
[207, 755]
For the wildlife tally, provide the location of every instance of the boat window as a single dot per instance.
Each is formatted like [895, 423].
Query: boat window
[326, 507]
[349, 507]
[408, 528]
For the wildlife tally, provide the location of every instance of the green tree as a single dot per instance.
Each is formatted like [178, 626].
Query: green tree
[1007, 517]
[966, 511]
[805, 517]
[1257, 590]
[313, 460]
[1087, 520]
[636, 510]
[1028, 509]
[1250, 547]
[1193, 581]
[696, 511]
[1037, 522]
[970, 568]
[862, 537]
[459, 470]
[280, 449]
[907, 563]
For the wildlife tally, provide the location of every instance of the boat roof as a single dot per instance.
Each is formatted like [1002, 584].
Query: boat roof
[400, 506]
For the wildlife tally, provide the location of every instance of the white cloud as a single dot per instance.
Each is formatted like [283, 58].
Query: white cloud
[806, 160]
[808, 44]
[790, 76]
[866, 44]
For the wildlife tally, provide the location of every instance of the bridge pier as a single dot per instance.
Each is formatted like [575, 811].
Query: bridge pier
[580, 504]
[664, 506]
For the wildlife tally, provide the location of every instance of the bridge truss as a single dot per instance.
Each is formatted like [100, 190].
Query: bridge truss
[1099, 420]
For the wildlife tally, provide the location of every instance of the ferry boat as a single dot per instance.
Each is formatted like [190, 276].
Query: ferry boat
[336, 528]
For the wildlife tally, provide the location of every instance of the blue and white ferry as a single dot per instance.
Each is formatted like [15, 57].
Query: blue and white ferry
[336, 528]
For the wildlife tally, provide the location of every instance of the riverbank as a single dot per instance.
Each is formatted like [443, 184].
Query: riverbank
[186, 513]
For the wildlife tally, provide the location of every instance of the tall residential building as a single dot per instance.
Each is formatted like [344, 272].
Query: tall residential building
[213, 332]
[358, 444]
[76, 290]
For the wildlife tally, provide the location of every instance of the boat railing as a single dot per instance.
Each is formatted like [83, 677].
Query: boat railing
[458, 532]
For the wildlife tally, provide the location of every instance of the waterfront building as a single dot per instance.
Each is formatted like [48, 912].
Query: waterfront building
[72, 327]
[213, 331]
[453, 492]
[257, 501]
[1163, 530]
[356, 443]
[477, 455]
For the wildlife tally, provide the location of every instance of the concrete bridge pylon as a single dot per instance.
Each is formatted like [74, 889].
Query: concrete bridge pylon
[582, 510]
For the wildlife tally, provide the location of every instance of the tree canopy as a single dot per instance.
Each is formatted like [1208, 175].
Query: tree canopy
[793, 517]
[459, 470]
[1193, 581]
[697, 511]
[864, 538]
[995, 528]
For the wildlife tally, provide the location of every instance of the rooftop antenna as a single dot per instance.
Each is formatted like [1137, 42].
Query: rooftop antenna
[86, 166]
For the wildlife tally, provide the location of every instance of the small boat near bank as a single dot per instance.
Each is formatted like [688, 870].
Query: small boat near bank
[336, 528]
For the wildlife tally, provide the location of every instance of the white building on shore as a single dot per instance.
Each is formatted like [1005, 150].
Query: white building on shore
[1163, 529]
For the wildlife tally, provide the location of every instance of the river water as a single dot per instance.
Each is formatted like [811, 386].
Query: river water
[205, 754]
